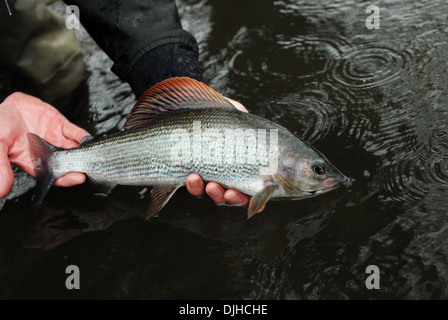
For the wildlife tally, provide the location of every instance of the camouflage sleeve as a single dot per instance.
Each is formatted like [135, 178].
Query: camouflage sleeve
[38, 55]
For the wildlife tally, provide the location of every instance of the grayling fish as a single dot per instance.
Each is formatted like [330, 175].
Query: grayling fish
[181, 126]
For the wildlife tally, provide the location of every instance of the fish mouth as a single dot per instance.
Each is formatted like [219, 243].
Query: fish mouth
[331, 183]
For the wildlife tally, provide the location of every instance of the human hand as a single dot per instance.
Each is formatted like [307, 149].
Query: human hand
[21, 113]
[195, 185]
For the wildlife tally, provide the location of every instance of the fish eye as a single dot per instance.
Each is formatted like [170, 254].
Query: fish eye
[318, 167]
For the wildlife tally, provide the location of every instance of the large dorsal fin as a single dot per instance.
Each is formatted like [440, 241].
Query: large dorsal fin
[173, 94]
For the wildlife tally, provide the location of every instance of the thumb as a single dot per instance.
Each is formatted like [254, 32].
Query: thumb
[73, 132]
[6, 174]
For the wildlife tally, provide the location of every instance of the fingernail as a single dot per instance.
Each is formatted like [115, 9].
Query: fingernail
[236, 199]
[215, 193]
[194, 184]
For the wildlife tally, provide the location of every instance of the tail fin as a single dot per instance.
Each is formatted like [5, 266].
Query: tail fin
[41, 152]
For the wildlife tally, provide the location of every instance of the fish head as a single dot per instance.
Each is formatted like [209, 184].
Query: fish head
[307, 174]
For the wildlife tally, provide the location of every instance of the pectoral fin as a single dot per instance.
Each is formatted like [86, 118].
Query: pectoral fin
[260, 199]
[101, 188]
[159, 198]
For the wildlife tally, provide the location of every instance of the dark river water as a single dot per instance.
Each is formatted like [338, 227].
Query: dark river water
[374, 101]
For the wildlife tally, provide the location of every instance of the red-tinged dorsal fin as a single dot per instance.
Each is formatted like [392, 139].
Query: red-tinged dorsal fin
[173, 94]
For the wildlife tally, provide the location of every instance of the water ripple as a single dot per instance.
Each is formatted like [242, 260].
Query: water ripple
[315, 114]
[402, 179]
[437, 161]
[369, 66]
[315, 50]
[414, 174]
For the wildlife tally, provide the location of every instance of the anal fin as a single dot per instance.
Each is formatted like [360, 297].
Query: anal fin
[160, 197]
[260, 199]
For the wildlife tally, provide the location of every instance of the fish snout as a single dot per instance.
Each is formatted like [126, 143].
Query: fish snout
[334, 182]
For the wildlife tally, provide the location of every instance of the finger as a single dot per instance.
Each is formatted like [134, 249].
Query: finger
[237, 105]
[195, 185]
[236, 198]
[6, 174]
[70, 179]
[73, 132]
[216, 192]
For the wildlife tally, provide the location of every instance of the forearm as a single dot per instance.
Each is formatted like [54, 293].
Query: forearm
[163, 62]
[145, 39]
